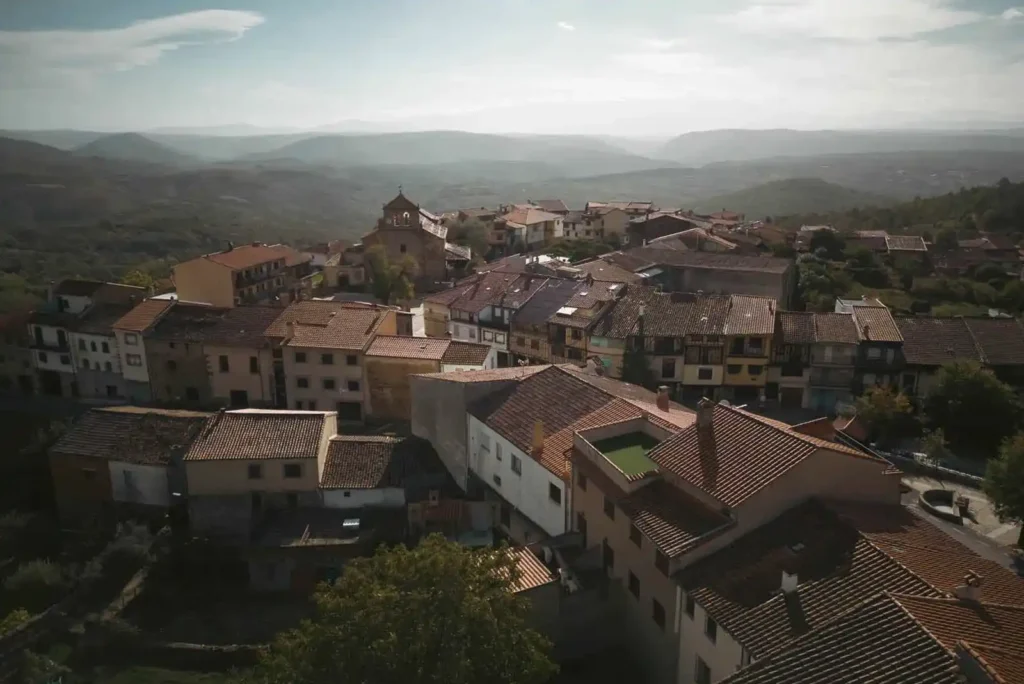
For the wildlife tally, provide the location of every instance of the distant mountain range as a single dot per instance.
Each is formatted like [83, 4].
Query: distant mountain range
[778, 198]
[134, 147]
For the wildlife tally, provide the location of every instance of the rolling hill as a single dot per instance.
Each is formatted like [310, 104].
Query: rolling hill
[134, 147]
[792, 196]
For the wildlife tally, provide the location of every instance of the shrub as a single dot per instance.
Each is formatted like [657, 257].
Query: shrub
[14, 619]
[36, 585]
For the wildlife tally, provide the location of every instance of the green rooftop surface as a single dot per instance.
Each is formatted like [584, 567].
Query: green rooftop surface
[629, 452]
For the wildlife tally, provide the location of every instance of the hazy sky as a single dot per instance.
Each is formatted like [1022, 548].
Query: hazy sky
[587, 66]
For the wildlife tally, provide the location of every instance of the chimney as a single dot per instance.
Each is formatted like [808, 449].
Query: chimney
[290, 327]
[705, 416]
[538, 438]
[970, 590]
[867, 331]
[662, 400]
[789, 582]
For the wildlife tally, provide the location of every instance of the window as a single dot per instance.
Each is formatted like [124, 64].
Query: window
[634, 585]
[668, 368]
[517, 465]
[131, 338]
[691, 605]
[733, 368]
[276, 353]
[609, 508]
[85, 363]
[401, 248]
[328, 383]
[106, 347]
[351, 360]
[292, 500]
[107, 366]
[890, 355]
[292, 470]
[300, 357]
[701, 672]
[42, 357]
[172, 366]
[711, 629]
[661, 562]
[487, 336]
[255, 471]
[736, 347]
[554, 493]
[497, 450]
[353, 385]
[298, 405]
[874, 353]
[92, 346]
[254, 364]
[311, 405]
[703, 373]
[327, 359]
[192, 394]
[534, 344]
[635, 536]
[223, 364]
[576, 334]
[497, 479]
[581, 480]
[302, 383]
[658, 613]
[81, 344]
[607, 556]
[133, 359]
[521, 341]
[65, 360]
[111, 391]
[506, 516]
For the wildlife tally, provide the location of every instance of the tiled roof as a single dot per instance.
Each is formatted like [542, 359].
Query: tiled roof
[532, 572]
[548, 299]
[242, 326]
[551, 205]
[247, 256]
[394, 346]
[905, 243]
[674, 522]
[328, 325]
[928, 552]
[875, 324]
[1001, 340]
[446, 297]
[483, 291]
[187, 322]
[254, 434]
[466, 354]
[526, 216]
[519, 291]
[132, 434]
[603, 271]
[995, 631]
[77, 288]
[742, 455]
[456, 251]
[144, 315]
[877, 642]
[99, 319]
[375, 461]
[795, 327]
[725, 262]
[930, 341]
[489, 375]
[836, 328]
[750, 315]
[836, 568]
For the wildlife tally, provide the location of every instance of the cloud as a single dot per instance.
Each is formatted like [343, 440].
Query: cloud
[657, 44]
[842, 19]
[1012, 13]
[37, 57]
[566, 26]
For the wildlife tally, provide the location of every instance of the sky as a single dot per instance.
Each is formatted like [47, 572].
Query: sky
[640, 68]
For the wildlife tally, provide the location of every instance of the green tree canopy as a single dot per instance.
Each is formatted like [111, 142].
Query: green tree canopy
[945, 240]
[438, 613]
[888, 414]
[828, 240]
[972, 407]
[138, 278]
[1004, 482]
[389, 281]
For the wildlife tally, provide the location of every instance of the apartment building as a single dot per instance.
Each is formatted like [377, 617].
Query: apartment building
[243, 274]
[318, 354]
[749, 328]
[530, 226]
[474, 303]
[820, 564]
[248, 463]
[570, 326]
[529, 339]
[131, 349]
[880, 358]
[652, 505]
[239, 358]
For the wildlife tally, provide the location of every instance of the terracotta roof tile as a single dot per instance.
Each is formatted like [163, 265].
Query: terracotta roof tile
[328, 325]
[548, 299]
[1001, 340]
[875, 324]
[603, 271]
[254, 434]
[483, 291]
[836, 570]
[526, 216]
[408, 347]
[489, 375]
[930, 341]
[99, 319]
[725, 262]
[905, 243]
[187, 322]
[519, 291]
[795, 327]
[750, 315]
[466, 354]
[836, 328]
[877, 642]
[143, 316]
[242, 326]
[446, 297]
[532, 572]
[375, 461]
[246, 256]
[132, 434]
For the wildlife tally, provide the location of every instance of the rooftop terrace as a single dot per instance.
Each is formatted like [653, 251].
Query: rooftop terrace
[628, 452]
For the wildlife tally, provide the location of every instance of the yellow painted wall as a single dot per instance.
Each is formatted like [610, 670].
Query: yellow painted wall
[202, 280]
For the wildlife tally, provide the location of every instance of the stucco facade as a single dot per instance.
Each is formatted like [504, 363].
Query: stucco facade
[240, 376]
[202, 280]
[178, 373]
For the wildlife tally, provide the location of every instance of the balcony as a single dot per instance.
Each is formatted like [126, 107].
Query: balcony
[792, 369]
[832, 377]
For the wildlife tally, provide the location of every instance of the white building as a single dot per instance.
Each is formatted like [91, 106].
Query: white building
[131, 351]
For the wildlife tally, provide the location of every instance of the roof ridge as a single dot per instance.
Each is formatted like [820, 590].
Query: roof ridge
[974, 340]
[895, 598]
[989, 670]
[955, 600]
[891, 559]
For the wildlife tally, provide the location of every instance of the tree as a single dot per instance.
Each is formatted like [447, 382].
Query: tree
[138, 278]
[828, 240]
[1004, 482]
[888, 414]
[472, 233]
[438, 613]
[636, 367]
[389, 281]
[945, 240]
[973, 408]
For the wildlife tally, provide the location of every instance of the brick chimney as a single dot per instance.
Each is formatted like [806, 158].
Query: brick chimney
[705, 417]
[970, 590]
[662, 401]
[290, 327]
[537, 447]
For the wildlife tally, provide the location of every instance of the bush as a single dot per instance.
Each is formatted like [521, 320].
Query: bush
[14, 619]
[36, 585]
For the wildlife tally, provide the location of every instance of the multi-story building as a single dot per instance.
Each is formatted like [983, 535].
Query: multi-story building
[246, 274]
[16, 374]
[833, 362]
[529, 339]
[880, 358]
[131, 349]
[496, 316]
[570, 326]
[239, 358]
[94, 349]
[318, 349]
[475, 301]
[749, 328]
[647, 227]
[790, 370]
[179, 373]
[651, 504]
[529, 226]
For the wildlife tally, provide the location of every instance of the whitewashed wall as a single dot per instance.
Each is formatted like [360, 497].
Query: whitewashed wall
[385, 497]
[139, 484]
